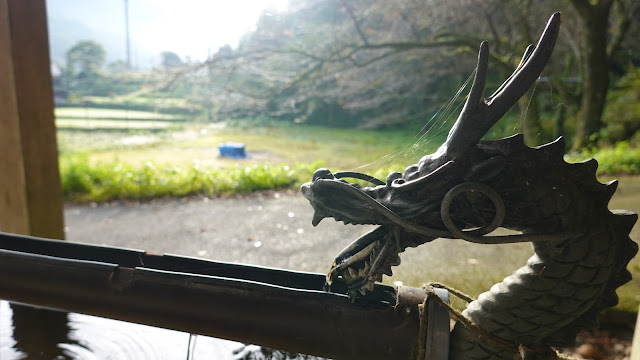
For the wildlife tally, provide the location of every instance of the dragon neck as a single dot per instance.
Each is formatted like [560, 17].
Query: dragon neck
[565, 284]
[559, 292]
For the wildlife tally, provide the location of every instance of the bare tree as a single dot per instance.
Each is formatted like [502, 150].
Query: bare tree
[378, 63]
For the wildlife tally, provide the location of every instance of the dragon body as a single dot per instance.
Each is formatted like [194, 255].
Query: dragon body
[569, 280]
[467, 189]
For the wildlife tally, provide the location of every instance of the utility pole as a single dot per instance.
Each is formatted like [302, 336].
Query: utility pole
[126, 26]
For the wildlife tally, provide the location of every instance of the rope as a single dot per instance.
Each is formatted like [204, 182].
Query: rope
[524, 352]
[459, 294]
[422, 331]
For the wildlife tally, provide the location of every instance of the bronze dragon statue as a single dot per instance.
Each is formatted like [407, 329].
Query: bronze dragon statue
[470, 187]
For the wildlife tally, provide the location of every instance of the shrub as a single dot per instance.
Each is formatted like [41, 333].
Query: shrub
[622, 113]
[618, 159]
[82, 181]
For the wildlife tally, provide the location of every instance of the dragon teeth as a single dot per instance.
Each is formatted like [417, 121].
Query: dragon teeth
[352, 272]
[366, 266]
[369, 286]
[395, 261]
[362, 273]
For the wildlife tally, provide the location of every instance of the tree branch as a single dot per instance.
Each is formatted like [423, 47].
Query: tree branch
[355, 22]
[302, 77]
[492, 28]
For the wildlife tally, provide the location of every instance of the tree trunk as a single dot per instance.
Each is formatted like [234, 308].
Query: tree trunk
[595, 70]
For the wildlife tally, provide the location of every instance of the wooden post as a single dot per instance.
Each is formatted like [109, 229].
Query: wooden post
[30, 189]
[635, 345]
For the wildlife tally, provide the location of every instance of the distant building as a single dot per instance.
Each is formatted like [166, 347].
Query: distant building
[60, 92]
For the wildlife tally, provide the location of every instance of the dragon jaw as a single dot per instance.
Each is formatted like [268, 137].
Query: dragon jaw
[371, 256]
[365, 260]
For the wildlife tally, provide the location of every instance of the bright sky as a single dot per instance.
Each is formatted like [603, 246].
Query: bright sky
[191, 27]
[187, 27]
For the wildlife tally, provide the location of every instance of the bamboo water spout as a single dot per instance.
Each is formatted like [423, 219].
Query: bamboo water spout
[270, 307]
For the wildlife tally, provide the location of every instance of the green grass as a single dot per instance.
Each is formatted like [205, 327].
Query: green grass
[106, 124]
[82, 181]
[338, 149]
[95, 113]
[87, 118]
[102, 166]
[163, 105]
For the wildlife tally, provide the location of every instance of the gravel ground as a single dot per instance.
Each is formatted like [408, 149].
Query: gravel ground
[609, 343]
[270, 229]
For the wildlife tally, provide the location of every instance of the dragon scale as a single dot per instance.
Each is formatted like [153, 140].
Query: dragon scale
[467, 189]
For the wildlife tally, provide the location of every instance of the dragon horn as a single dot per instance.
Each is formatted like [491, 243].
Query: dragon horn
[480, 114]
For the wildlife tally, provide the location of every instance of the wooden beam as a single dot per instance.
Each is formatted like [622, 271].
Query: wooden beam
[635, 345]
[30, 188]
[13, 202]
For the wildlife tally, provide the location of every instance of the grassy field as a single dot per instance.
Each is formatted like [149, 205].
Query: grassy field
[136, 163]
[109, 124]
[87, 113]
[92, 119]
[104, 149]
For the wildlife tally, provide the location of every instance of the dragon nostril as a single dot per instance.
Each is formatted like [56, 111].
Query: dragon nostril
[306, 191]
[392, 177]
[322, 173]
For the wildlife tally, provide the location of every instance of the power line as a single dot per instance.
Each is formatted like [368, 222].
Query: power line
[126, 26]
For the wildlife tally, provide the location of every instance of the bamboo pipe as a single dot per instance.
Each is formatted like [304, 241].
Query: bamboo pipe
[270, 307]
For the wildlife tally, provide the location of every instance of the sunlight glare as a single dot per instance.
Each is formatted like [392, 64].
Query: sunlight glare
[192, 28]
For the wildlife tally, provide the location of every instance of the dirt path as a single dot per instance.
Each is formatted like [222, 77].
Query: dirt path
[269, 230]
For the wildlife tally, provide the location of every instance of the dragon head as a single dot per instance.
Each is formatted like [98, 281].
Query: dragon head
[417, 206]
